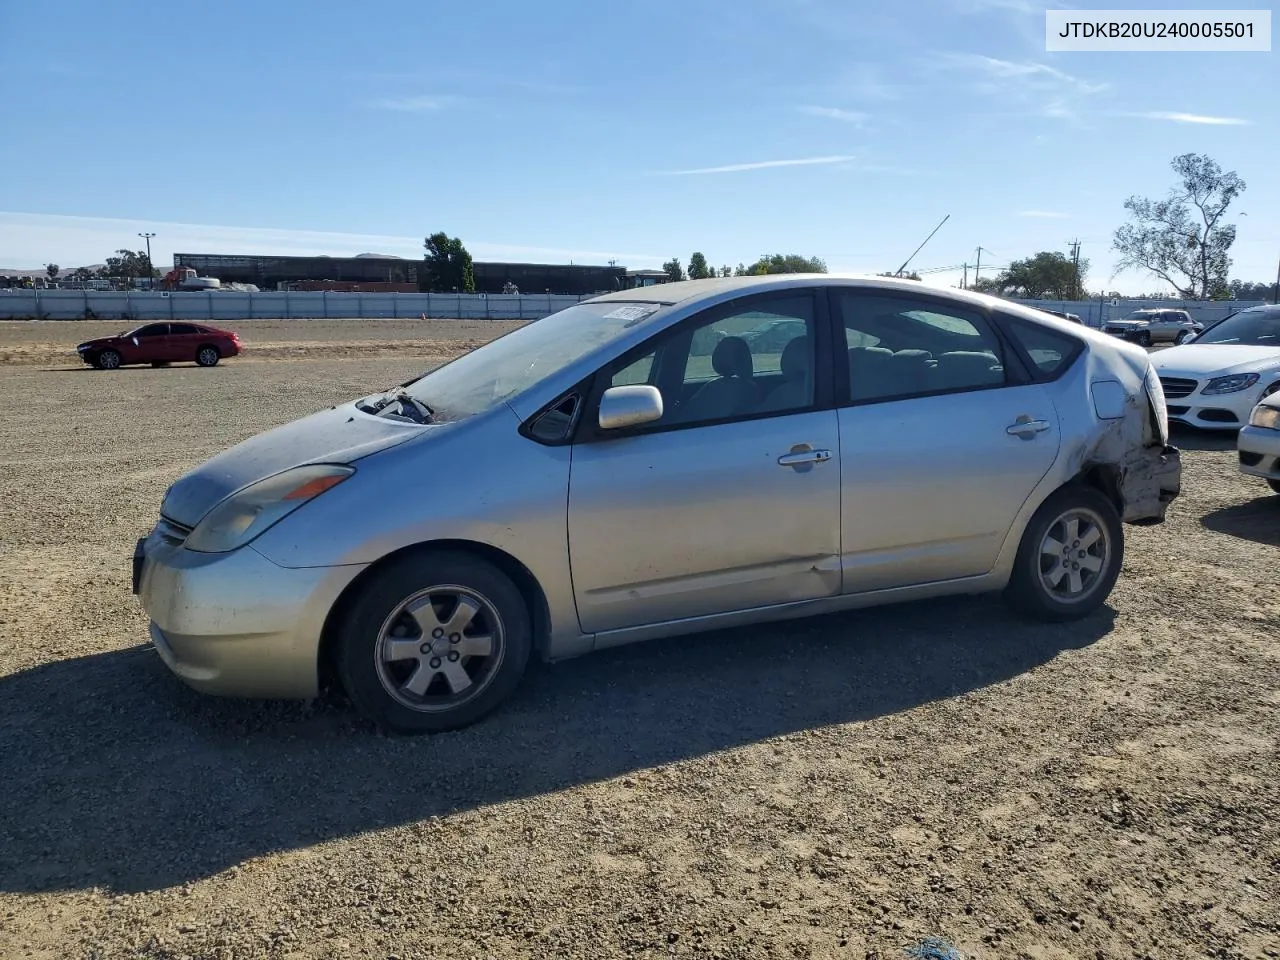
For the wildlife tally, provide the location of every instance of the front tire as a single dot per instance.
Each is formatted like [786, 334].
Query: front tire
[107, 360]
[1144, 338]
[1069, 557]
[208, 356]
[434, 642]
[1181, 338]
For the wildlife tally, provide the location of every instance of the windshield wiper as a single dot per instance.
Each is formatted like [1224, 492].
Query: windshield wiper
[407, 401]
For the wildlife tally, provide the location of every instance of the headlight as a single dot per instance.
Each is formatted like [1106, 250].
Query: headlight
[1232, 384]
[249, 512]
[1265, 416]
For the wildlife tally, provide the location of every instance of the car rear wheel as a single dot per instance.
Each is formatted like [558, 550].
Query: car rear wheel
[434, 642]
[1069, 557]
[107, 360]
[208, 356]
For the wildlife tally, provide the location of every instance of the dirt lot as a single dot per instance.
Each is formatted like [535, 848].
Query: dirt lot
[844, 786]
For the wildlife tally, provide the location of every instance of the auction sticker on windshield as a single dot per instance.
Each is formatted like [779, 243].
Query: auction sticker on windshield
[632, 312]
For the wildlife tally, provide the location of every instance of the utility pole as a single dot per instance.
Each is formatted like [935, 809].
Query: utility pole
[964, 281]
[150, 268]
[977, 267]
[1075, 261]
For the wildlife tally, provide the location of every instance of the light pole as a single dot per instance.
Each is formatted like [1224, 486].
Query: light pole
[150, 269]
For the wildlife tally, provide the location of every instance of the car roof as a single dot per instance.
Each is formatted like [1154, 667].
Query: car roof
[693, 292]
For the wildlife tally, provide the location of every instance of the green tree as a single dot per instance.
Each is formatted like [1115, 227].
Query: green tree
[82, 273]
[726, 271]
[1182, 239]
[446, 266]
[905, 276]
[1047, 274]
[52, 269]
[675, 273]
[1244, 290]
[698, 269]
[783, 263]
[130, 264]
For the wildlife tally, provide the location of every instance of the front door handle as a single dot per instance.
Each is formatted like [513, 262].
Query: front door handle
[803, 457]
[1026, 427]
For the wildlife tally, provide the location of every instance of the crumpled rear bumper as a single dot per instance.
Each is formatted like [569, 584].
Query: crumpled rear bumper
[1151, 481]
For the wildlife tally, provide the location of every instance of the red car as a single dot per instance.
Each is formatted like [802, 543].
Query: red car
[161, 343]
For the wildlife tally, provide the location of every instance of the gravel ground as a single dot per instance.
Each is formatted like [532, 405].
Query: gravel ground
[844, 786]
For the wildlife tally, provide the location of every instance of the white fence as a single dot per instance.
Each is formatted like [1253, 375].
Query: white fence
[1095, 313]
[17, 304]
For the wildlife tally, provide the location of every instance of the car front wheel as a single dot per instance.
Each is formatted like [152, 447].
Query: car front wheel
[208, 356]
[435, 642]
[1069, 557]
[108, 360]
[1144, 338]
[1182, 337]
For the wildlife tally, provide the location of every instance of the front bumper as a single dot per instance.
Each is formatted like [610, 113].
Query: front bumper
[1226, 411]
[1259, 451]
[236, 624]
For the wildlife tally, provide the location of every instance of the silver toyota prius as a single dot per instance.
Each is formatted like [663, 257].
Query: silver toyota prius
[648, 463]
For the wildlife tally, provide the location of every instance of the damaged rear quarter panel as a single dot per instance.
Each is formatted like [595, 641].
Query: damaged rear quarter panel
[1146, 473]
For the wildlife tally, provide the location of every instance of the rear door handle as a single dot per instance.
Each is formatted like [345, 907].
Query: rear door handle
[1026, 427]
[802, 456]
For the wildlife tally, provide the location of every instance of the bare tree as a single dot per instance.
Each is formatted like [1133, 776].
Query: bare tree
[1183, 239]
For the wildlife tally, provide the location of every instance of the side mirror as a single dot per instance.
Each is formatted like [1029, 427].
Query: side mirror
[135, 341]
[629, 406]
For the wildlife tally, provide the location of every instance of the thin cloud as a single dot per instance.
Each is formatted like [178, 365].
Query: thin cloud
[762, 165]
[423, 104]
[1026, 70]
[856, 117]
[1044, 214]
[1192, 118]
[27, 237]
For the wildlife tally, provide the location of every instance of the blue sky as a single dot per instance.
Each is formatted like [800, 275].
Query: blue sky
[585, 131]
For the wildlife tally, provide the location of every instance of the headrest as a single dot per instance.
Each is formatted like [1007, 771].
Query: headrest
[732, 358]
[795, 357]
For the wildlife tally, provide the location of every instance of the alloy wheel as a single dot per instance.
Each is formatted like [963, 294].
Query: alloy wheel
[439, 648]
[1074, 554]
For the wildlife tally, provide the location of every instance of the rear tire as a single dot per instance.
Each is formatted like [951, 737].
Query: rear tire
[107, 360]
[208, 355]
[433, 642]
[1069, 558]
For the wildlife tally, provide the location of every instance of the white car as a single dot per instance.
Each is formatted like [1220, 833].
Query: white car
[1259, 443]
[1217, 379]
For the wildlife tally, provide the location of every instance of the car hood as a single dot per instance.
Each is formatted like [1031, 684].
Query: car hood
[99, 342]
[1197, 360]
[342, 434]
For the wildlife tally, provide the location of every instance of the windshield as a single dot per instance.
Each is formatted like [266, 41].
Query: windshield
[504, 367]
[1253, 328]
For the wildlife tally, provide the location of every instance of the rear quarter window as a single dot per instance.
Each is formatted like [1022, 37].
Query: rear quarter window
[1051, 352]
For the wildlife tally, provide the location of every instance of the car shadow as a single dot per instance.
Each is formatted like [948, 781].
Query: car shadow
[119, 777]
[1257, 520]
[1189, 438]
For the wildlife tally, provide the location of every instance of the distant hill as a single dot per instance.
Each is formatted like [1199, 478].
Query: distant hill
[39, 271]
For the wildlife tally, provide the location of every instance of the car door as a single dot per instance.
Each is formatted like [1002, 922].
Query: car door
[182, 342]
[942, 438]
[148, 343]
[731, 500]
